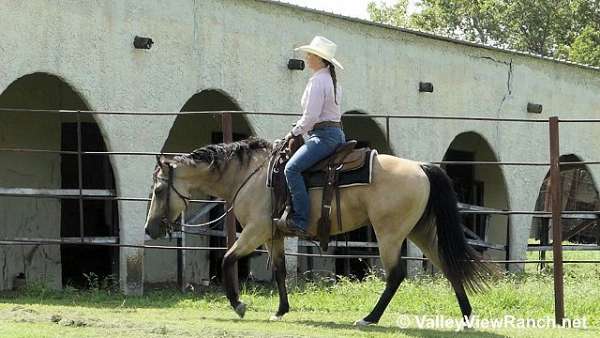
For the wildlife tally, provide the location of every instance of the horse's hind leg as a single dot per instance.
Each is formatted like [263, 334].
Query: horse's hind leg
[276, 249]
[390, 246]
[425, 238]
[394, 277]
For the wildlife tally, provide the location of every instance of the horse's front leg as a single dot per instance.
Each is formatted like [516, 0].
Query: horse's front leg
[251, 237]
[276, 248]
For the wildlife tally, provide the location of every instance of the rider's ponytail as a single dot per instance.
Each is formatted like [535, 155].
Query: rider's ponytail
[333, 77]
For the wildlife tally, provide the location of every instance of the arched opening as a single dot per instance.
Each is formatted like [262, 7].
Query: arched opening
[368, 134]
[579, 193]
[56, 174]
[366, 131]
[190, 132]
[480, 187]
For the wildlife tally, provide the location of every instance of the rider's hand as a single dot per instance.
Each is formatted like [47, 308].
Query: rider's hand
[288, 136]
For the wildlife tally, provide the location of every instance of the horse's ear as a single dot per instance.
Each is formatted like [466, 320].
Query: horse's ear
[166, 161]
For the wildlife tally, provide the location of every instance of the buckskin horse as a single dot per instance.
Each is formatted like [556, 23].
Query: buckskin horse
[405, 199]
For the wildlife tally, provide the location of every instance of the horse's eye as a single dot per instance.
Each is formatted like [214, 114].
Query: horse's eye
[159, 189]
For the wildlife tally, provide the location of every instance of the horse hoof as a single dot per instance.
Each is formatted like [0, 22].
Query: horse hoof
[276, 318]
[362, 322]
[240, 309]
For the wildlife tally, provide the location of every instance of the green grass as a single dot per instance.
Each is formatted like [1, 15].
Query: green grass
[317, 309]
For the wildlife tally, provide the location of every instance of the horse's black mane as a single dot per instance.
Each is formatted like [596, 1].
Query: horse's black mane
[217, 155]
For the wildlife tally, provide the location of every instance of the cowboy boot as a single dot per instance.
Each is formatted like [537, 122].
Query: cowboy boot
[287, 225]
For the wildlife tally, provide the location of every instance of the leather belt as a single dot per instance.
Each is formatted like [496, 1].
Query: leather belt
[328, 124]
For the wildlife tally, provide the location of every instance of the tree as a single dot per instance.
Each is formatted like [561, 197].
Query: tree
[468, 19]
[539, 26]
[586, 48]
[393, 15]
[557, 28]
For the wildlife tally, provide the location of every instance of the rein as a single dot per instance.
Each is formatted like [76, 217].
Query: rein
[186, 199]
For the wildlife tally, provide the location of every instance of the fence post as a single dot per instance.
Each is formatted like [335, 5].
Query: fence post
[80, 176]
[227, 128]
[559, 304]
[387, 133]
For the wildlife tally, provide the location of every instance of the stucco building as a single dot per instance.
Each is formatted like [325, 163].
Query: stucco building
[233, 55]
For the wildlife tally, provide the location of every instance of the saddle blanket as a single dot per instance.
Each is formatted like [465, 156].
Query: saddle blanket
[313, 180]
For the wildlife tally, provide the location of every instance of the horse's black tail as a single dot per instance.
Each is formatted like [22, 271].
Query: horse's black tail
[460, 262]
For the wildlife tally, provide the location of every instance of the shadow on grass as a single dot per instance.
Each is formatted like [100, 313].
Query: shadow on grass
[412, 332]
[153, 299]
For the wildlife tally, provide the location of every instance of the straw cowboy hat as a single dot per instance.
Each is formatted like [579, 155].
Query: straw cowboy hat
[323, 48]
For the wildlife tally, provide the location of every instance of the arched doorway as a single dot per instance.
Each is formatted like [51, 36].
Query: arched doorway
[477, 187]
[579, 193]
[57, 174]
[190, 132]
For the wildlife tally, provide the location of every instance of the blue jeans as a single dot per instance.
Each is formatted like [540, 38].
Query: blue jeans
[321, 143]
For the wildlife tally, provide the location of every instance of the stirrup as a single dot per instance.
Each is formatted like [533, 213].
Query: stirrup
[281, 222]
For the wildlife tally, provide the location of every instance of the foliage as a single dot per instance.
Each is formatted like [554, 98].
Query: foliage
[586, 48]
[556, 28]
[393, 15]
[96, 283]
[473, 20]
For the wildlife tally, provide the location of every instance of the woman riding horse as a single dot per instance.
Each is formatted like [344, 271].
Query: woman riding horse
[321, 120]
[405, 199]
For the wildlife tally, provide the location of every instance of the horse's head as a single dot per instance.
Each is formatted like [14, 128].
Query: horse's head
[169, 197]
[207, 170]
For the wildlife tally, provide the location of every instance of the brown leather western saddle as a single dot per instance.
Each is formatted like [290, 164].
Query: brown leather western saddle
[344, 159]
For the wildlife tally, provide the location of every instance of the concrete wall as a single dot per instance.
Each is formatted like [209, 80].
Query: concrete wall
[30, 217]
[242, 47]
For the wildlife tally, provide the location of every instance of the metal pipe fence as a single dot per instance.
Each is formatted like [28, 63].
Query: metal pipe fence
[554, 165]
[26, 242]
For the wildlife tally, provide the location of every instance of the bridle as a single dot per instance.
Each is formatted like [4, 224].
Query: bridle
[165, 221]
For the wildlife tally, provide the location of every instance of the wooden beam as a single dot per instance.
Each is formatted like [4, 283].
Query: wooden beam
[75, 240]
[471, 207]
[341, 244]
[486, 245]
[567, 215]
[578, 247]
[56, 192]
[579, 228]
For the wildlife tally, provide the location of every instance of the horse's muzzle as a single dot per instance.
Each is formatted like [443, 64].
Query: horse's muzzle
[153, 230]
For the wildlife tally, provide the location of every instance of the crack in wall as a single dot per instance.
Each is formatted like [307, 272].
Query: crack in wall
[509, 78]
[28, 258]
[507, 94]
[4, 267]
[492, 59]
[508, 85]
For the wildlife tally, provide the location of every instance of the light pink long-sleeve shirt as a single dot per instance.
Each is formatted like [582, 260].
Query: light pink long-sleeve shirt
[318, 102]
